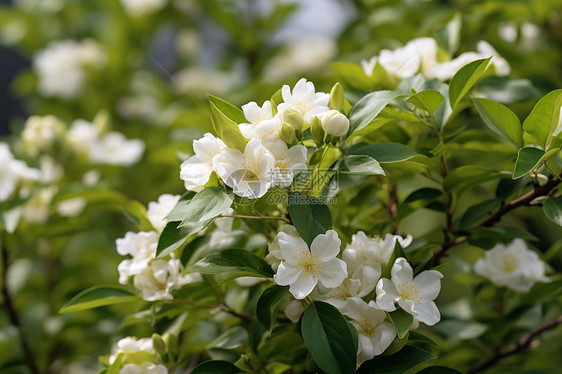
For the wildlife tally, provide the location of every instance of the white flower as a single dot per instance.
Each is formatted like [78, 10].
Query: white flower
[375, 334]
[366, 257]
[157, 211]
[144, 368]
[302, 268]
[341, 295]
[418, 54]
[262, 122]
[8, 176]
[142, 247]
[71, 207]
[81, 136]
[136, 8]
[36, 209]
[115, 149]
[513, 266]
[335, 123]
[249, 174]
[157, 281]
[274, 257]
[196, 170]
[288, 161]
[413, 295]
[61, 66]
[131, 344]
[40, 133]
[305, 99]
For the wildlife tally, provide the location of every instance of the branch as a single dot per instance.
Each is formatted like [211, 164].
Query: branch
[13, 315]
[520, 345]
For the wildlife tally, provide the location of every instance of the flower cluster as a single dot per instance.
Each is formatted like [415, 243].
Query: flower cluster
[271, 156]
[317, 273]
[422, 55]
[155, 278]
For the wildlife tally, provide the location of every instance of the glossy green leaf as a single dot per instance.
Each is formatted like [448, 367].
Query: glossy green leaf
[328, 338]
[476, 212]
[389, 152]
[234, 263]
[367, 109]
[360, 165]
[428, 100]
[402, 321]
[397, 363]
[216, 367]
[227, 129]
[426, 193]
[500, 120]
[268, 302]
[469, 175]
[98, 296]
[552, 208]
[173, 237]
[206, 205]
[449, 36]
[396, 253]
[464, 79]
[233, 112]
[179, 211]
[544, 118]
[309, 215]
[528, 159]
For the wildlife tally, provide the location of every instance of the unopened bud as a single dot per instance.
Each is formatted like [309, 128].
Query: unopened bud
[287, 133]
[335, 123]
[293, 117]
[159, 345]
[337, 98]
[171, 343]
[317, 131]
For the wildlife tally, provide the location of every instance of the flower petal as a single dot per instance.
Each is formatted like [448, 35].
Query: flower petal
[429, 284]
[401, 271]
[326, 246]
[286, 274]
[303, 286]
[428, 313]
[332, 273]
[387, 295]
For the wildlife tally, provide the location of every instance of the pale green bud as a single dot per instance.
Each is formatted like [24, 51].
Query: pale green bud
[159, 345]
[337, 98]
[287, 133]
[317, 131]
[293, 117]
[335, 123]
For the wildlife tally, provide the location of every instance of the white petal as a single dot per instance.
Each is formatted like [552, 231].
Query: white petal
[428, 313]
[303, 286]
[195, 173]
[429, 284]
[384, 337]
[326, 246]
[401, 271]
[387, 295]
[333, 273]
[286, 274]
[291, 247]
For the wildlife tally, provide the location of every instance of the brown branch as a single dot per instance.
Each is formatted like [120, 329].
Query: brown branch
[13, 314]
[493, 218]
[519, 346]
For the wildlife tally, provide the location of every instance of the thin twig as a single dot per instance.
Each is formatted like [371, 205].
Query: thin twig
[520, 345]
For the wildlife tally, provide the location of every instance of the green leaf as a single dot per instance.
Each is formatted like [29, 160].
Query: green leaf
[464, 79]
[528, 159]
[419, 340]
[428, 100]
[388, 152]
[360, 165]
[552, 208]
[476, 212]
[449, 36]
[439, 370]
[268, 302]
[544, 118]
[353, 74]
[426, 193]
[206, 205]
[469, 175]
[216, 367]
[367, 109]
[233, 112]
[179, 211]
[98, 296]
[398, 363]
[396, 253]
[402, 321]
[309, 216]
[327, 336]
[173, 237]
[234, 263]
[500, 120]
[227, 129]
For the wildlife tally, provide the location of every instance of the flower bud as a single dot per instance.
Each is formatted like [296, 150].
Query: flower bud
[335, 123]
[159, 345]
[287, 133]
[317, 131]
[337, 99]
[293, 117]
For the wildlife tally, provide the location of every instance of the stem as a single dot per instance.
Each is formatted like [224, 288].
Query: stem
[516, 347]
[13, 315]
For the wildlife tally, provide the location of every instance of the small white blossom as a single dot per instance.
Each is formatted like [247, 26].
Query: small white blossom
[142, 247]
[136, 8]
[288, 161]
[262, 122]
[334, 123]
[131, 344]
[115, 149]
[196, 170]
[302, 269]
[366, 257]
[40, 133]
[157, 211]
[249, 174]
[375, 334]
[305, 99]
[513, 266]
[413, 295]
[71, 207]
[144, 368]
[160, 278]
[36, 209]
[81, 136]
